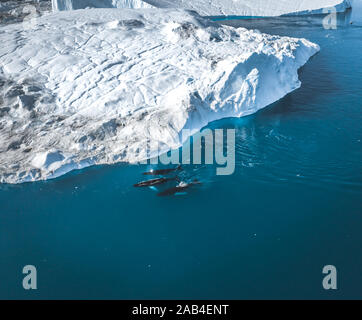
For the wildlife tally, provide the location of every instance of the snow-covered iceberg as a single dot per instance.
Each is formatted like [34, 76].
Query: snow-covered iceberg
[217, 7]
[95, 86]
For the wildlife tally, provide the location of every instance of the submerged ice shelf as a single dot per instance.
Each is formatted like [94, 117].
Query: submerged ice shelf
[93, 86]
[216, 7]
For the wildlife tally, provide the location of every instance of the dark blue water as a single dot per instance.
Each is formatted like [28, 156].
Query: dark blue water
[292, 206]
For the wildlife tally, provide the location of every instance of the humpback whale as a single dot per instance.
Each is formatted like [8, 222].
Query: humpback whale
[180, 189]
[154, 182]
[162, 172]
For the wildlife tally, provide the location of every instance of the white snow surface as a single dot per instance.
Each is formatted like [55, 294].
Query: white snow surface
[217, 7]
[62, 5]
[94, 86]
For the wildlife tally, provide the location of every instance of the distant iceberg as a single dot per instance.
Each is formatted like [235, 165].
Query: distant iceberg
[95, 86]
[262, 8]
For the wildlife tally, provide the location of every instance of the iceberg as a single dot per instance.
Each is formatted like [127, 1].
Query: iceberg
[255, 8]
[259, 8]
[89, 87]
